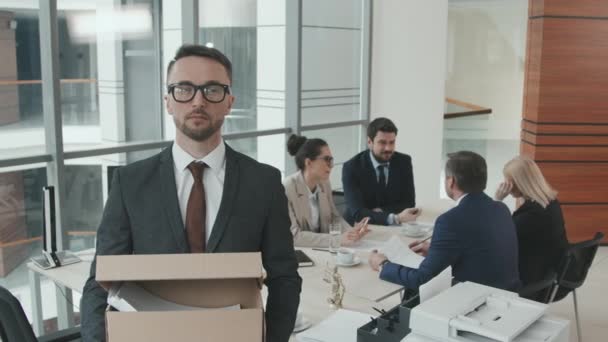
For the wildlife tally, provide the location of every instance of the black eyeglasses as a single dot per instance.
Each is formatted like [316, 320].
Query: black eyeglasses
[185, 92]
[328, 159]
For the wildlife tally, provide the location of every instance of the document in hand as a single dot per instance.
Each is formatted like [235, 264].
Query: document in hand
[399, 253]
[342, 325]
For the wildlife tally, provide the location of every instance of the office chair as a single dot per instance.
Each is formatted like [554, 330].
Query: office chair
[14, 326]
[339, 201]
[541, 290]
[573, 272]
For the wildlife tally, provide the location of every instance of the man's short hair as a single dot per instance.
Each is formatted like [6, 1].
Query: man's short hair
[469, 171]
[188, 50]
[380, 124]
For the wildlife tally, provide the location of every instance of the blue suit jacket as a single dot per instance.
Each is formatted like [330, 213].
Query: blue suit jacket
[477, 238]
[360, 185]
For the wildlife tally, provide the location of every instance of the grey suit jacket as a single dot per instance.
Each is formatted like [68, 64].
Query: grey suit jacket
[300, 215]
[142, 216]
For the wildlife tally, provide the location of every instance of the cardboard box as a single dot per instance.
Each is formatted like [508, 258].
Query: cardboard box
[213, 280]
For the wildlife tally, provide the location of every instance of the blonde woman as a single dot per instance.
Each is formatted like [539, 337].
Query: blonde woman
[539, 221]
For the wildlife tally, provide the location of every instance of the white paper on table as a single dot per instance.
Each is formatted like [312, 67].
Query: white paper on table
[129, 297]
[438, 284]
[342, 325]
[367, 245]
[399, 253]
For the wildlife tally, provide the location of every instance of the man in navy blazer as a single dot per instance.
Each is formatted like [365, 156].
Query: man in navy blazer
[379, 183]
[477, 237]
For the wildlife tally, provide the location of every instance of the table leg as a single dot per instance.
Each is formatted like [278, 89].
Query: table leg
[37, 319]
[65, 308]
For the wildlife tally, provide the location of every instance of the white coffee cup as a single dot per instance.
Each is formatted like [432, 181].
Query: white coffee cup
[346, 255]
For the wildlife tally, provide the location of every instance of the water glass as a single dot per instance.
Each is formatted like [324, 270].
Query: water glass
[335, 235]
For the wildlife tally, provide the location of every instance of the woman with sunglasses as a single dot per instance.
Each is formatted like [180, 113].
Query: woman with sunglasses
[309, 196]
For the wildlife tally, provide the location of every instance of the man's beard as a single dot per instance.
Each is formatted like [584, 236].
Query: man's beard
[383, 157]
[200, 134]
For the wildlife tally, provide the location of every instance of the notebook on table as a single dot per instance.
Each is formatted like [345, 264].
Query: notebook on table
[303, 259]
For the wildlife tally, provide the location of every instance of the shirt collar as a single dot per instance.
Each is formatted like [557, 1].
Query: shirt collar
[375, 162]
[215, 160]
[460, 198]
[308, 192]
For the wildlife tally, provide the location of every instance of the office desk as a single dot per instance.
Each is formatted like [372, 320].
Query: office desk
[67, 278]
[364, 290]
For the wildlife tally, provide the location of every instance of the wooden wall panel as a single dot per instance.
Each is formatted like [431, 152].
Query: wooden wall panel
[578, 182]
[565, 129]
[574, 72]
[565, 107]
[578, 8]
[565, 153]
[565, 140]
[532, 74]
[583, 221]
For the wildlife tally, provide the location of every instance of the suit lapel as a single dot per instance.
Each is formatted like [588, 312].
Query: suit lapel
[325, 214]
[302, 203]
[231, 182]
[168, 194]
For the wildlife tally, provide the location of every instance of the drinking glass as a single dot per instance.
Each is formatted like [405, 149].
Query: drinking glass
[335, 235]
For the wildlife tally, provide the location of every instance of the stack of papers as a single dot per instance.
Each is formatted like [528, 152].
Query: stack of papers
[399, 253]
[342, 325]
[130, 297]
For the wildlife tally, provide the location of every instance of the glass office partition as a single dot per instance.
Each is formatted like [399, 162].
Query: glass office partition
[331, 61]
[21, 119]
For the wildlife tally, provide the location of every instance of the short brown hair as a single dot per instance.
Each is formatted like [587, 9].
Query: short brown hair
[188, 50]
[382, 125]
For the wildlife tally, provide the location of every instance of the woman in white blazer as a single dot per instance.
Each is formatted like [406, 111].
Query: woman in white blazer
[309, 195]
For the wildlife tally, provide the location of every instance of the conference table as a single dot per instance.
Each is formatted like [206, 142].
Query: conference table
[364, 291]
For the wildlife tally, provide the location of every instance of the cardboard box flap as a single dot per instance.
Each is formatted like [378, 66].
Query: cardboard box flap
[216, 325]
[179, 266]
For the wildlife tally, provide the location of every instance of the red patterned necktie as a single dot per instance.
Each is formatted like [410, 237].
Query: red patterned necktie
[196, 210]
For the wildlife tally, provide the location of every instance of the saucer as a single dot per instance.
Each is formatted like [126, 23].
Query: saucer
[356, 261]
[304, 324]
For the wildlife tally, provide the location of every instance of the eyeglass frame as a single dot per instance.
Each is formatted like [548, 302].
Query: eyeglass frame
[329, 160]
[201, 88]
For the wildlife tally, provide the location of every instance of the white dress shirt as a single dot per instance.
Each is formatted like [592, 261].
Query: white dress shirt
[460, 198]
[213, 181]
[315, 216]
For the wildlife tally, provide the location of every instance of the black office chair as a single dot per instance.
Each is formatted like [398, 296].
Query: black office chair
[14, 326]
[573, 272]
[339, 201]
[541, 290]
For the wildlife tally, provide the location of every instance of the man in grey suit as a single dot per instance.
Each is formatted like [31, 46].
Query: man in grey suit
[199, 195]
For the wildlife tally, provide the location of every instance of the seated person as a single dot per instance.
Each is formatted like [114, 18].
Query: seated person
[539, 222]
[379, 183]
[476, 237]
[310, 199]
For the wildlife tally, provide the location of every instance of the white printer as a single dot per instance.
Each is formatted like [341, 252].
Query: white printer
[474, 312]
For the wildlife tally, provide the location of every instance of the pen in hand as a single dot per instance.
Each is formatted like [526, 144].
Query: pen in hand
[421, 241]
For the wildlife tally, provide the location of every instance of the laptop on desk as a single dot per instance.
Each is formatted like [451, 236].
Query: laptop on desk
[50, 256]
